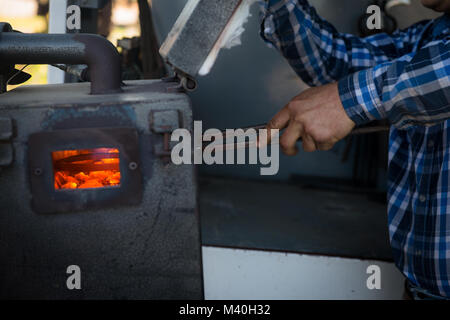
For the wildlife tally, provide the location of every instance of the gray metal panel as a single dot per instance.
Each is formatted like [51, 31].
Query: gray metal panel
[289, 218]
[146, 251]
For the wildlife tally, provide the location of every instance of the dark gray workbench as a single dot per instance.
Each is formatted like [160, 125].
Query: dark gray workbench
[283, 217]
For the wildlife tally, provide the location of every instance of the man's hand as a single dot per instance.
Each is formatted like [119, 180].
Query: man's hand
[316, 116]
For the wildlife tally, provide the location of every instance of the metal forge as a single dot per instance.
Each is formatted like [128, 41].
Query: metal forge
[84, 180]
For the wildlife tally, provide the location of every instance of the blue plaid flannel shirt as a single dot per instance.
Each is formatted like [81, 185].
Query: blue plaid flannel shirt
[405, 78]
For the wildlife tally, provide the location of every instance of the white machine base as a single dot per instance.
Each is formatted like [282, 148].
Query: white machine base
[262, 275]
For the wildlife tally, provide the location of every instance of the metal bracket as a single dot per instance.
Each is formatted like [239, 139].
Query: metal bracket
[182, 81]
[6, 148]
[164, 122]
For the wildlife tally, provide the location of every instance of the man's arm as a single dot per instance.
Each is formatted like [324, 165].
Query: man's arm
[318, 52]
[411, 90]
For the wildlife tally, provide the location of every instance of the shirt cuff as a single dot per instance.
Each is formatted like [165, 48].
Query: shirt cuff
[360, 97]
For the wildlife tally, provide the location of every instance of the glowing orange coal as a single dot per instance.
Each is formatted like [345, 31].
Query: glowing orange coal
[83, 169]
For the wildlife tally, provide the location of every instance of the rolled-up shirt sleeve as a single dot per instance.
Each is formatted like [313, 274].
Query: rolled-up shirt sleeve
[411, 90]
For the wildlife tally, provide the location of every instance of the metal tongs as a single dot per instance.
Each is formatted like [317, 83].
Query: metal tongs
[255, 143]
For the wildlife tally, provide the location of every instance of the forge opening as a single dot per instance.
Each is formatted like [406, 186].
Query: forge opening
[86, 168]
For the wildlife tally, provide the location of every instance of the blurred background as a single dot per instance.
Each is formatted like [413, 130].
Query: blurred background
[247, 86]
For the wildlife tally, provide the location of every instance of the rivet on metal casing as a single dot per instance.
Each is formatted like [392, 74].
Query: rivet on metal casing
[132, 165]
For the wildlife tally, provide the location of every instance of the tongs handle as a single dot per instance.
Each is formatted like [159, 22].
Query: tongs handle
[250, 144]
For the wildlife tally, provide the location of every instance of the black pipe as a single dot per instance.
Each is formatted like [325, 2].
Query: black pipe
[96, 52]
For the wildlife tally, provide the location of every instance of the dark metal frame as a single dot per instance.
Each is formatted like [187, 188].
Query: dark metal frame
[45, 199]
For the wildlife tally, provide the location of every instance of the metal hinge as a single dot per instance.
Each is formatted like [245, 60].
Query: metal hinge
[164, 122]
[182, 82]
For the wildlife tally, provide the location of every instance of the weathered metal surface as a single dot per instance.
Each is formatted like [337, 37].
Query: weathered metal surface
[164, 121]
[149, 250]
[195, 32]
[6, 154]
[6, 128]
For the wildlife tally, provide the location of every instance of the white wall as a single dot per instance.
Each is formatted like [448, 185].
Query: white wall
[247, 274]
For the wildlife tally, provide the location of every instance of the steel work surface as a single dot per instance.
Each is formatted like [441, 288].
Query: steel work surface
[282, 217]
